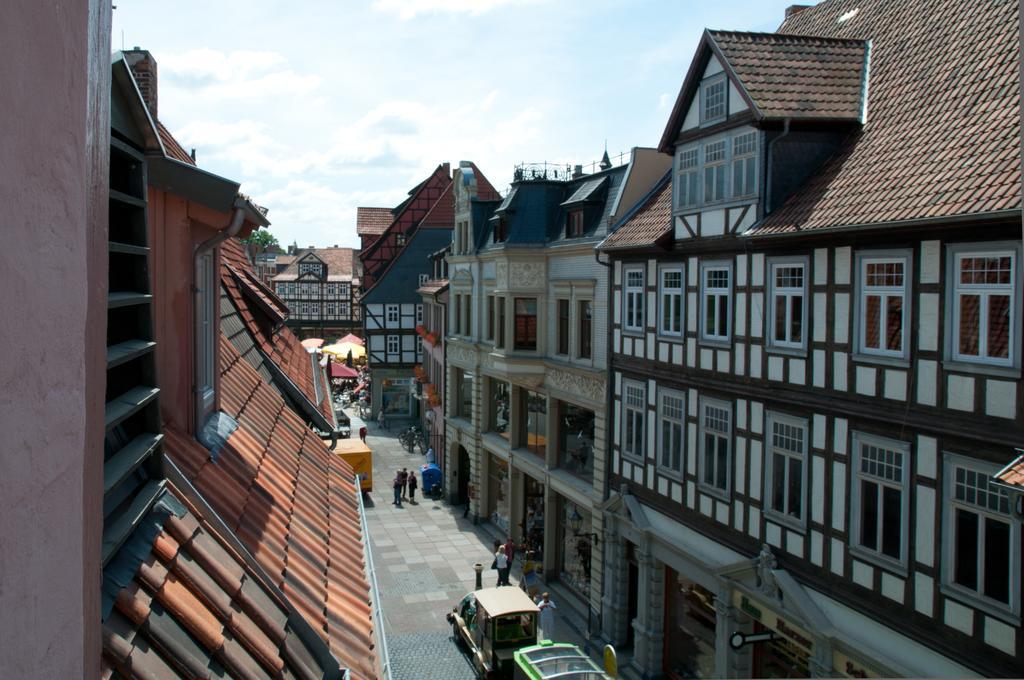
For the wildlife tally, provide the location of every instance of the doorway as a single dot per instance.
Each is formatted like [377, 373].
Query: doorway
[462, 471]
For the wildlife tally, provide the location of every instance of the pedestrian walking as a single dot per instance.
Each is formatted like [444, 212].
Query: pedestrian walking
[501, 563]
[404, 477]
[510, 550]
[547, 616]
[397, 485]
[412, 487]
[382, 420]
[362, 433]
[430, 455]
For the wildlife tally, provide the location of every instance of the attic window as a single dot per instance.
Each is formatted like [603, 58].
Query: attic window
[501, 229]
[713, 99]
[574, 224]
[400, 239]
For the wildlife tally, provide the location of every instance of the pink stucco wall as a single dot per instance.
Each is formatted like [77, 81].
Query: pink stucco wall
[53, 183]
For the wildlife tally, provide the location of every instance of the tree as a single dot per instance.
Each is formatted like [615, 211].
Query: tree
[262, 239]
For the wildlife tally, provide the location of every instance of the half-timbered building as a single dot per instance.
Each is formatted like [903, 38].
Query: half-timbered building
[434, 296]
[322, 289]
[816, 355]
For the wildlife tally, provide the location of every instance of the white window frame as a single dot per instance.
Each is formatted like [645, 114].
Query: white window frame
[673, 420]
[702, 427]
[958, 252]
[392, 314]
[863, 260]
[344, 311]
[719, 167]
[634, 402]
[772, 419]
[423, 279]
[721, 294]
[640, 293]
[744, 160]
[343, 290]
[665, 316]
[419, 315]
[207, 294]
[687, 177]
[873, 555]
[397, 347]
[775, 292]
[707, 84]
[1009, 612]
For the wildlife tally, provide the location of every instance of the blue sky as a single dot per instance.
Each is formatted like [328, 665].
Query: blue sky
[318, 107]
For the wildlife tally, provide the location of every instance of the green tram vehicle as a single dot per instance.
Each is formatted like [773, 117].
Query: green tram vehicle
[555, 660]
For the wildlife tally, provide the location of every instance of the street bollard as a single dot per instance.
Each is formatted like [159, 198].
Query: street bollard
[479, 569]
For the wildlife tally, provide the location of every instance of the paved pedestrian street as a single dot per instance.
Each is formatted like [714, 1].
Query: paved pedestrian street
[423, 554]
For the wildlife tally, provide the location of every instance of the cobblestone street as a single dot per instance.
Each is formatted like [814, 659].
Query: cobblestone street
[423, 554]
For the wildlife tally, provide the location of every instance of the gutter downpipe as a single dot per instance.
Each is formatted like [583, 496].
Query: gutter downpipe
[232, 229]
[768, 174]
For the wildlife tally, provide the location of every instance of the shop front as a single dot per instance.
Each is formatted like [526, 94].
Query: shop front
[397, 399]
[780, 647]
[690, 621]
[533, 515]
[574, 547]
[498, 493]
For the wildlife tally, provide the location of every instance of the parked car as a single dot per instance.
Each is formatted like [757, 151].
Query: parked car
[493, 623]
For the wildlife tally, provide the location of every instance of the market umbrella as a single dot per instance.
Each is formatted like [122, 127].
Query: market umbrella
[341, 350]
[354, 339]
[343, 371]
[312, 343]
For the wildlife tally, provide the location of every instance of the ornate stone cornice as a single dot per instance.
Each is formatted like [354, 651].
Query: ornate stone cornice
[589, 389]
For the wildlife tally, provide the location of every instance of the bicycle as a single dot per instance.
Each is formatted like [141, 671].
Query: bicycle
[409, 438]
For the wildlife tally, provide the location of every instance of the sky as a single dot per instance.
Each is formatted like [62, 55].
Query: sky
[320, 106]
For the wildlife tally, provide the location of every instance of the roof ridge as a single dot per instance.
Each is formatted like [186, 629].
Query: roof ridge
[789, 36]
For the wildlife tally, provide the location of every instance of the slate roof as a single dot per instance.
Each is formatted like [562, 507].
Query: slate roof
[341, 264]
[789, 76]
[373, 221]
[648, 222]
[194, 608]
[587, 191]
[278, 343]
[1012, 475]
[293, 505]
[942, 134]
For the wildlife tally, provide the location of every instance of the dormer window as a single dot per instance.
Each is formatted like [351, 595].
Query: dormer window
[744, 164]
[501, 229]
[574, 224]
[400, 239]
[713, 99]
[714, 171]
[686, 177]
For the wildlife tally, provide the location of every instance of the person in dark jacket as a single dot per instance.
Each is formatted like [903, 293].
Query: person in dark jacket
[403, 478]
[397, 486]
[412, 486]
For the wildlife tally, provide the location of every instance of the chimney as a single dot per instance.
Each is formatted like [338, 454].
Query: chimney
[577, 171]
[795, 9]
[143, 67]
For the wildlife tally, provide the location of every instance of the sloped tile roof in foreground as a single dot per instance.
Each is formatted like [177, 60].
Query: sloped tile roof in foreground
[942, 133]
[649, 222]
[293, 504]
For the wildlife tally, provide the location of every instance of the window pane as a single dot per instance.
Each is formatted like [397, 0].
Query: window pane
[795, 491]
[710, 315]
[719, 182]
[722, 481]
[869, 514]
[997, 560]
[892, 522]
[796, 318]
[780, 318]
[723, 315]
[778, 482]
[965, 550]
[750, 168]
[563, 326]
[709, 458]
[666, 442]
[894, 323]
[677, 313]
[709, 184]
[677, 447]
[872, 314]
[969, 324]
[737, 178]
[998, 339]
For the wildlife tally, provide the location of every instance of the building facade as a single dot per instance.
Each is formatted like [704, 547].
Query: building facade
[526, 355]
[816, 358]
[322, 289]
[434, 294]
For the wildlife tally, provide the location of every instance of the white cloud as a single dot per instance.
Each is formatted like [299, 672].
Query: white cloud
[240, 74]
[408, 9]
[664, 100]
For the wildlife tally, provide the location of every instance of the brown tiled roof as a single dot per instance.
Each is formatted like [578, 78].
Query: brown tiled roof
[942, 135]
[373, 221]
[797, 76]
[442, 213]
[341, 264]
[278, 343]
[485, 191]
[651, 221]
[194, 605]
[171, 145]
[294, 506]
[1012, 475]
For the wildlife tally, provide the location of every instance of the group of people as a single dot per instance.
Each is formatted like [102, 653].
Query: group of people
[405, 485]
[504, 554]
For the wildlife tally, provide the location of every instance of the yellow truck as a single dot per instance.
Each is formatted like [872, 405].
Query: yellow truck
[357, 454]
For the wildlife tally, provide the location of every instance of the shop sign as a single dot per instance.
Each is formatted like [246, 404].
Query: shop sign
[773, 621]
[850, 668]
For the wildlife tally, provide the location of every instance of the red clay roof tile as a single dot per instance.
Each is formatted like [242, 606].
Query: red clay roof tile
[372, 221]
[649, 222]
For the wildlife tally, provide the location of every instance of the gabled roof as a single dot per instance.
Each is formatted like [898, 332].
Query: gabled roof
[275, 342]
[648, 222]
[341, 263]
[372, 221]
[442, 213]
[942, 132]
[789, 76]
[293, 504]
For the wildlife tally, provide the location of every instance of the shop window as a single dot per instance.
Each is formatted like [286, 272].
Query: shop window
[576, 439]
[879, 498]
[716, 443]
[534, 411]
[525, 324]
[690, 623]
[396, 397]
[500, 402]
[498, 493]
[574, 562]
[982, 539]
